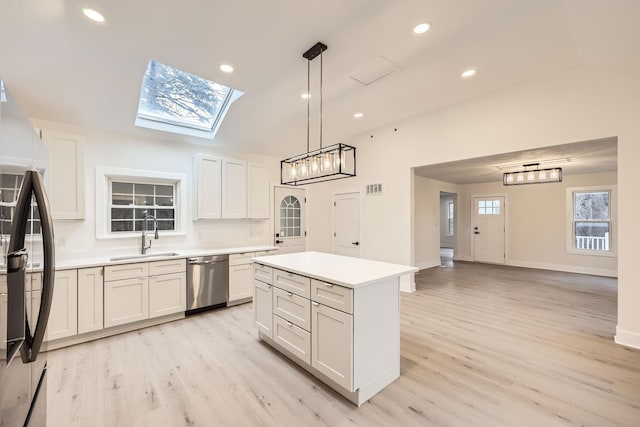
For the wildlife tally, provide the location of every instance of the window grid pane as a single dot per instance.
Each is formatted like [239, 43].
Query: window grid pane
[591, 221]
[130, 202]
[290, 217]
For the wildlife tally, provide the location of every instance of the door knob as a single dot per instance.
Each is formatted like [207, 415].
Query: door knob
[279, 241]
[355, 243]
[476, 232]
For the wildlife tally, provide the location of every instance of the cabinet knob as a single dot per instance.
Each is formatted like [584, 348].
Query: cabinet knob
[290, 294]
[315, 303]
[289, 324]
[328, 284]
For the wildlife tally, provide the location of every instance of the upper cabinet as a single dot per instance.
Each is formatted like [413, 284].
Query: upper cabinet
[258, 191]
[208, 172]
[66, 174]
[234, 188]
[230, 189]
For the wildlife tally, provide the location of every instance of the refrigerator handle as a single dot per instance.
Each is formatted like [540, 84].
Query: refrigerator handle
[32, 184]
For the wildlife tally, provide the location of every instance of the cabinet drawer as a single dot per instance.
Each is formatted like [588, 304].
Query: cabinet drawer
[293, 308]
[168, 266]
[291, 282]
[239, 259]
[263, 273]
[294, 339]
[335, 296]
[125, 271]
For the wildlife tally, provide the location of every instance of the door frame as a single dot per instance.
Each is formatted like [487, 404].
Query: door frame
[272, 225]
[506, 223]
[333, 219]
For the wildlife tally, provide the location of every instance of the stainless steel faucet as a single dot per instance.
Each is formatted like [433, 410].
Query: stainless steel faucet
[145, 231]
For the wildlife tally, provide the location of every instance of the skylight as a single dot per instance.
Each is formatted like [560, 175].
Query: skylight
[173, 100]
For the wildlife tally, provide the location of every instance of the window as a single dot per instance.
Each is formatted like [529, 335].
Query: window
[176, 101]
[489, 207]
[450, 218]
[290, 217]
[9, 190]
[591, 223]
[132, 201]
[123, 196]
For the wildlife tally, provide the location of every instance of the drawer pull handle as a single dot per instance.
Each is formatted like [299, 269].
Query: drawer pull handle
[289, 324]
[328, 284]
[289, 274]
[290, 294]
[315, 303]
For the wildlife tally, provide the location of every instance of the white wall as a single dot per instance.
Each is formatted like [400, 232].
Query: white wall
[77, 238]
[578, 105]
[446, 240]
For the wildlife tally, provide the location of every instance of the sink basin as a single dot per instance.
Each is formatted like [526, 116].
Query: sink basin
[145, 256]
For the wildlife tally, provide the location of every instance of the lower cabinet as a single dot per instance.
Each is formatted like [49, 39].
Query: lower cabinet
[126, 301]
[332, 344]
[263, 307]
[167, 294]
[63, 318]
[293, 338]
[90, 299]
[239, 282]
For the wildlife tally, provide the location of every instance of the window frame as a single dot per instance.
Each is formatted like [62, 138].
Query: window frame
[31, 236]
[570, 220]
[450, 218]
[104, 178]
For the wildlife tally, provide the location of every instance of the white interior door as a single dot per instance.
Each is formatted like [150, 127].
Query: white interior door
[488, 229]
[289, 219]
[346, 220]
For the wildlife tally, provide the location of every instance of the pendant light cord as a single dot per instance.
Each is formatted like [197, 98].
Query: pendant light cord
[308, 100]
[321, 55]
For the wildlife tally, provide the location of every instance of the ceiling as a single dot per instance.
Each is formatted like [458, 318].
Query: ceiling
[577, 158]
[64, 68]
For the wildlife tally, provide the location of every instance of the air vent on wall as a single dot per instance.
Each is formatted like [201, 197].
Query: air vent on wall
[374, 189]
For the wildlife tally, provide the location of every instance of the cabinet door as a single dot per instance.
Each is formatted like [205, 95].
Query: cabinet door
[66, 175]
[263, 307]
[208, 185]
[240, 282]
[234, 188]
[63, 319]
[126, 301]
[167, 294]
[257, 191]
[90, 300]
[332, 344]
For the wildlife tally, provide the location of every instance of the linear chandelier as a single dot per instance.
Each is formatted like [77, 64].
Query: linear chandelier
[532, 176]
[325, 163]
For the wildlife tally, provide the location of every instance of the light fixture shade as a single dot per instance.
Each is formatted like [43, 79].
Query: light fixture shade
[324, 164]
[536, 176]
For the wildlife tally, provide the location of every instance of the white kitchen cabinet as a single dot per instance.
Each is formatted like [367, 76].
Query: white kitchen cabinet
[167, 294]
[234, 188]
[208, 182]
[292, 338]
[126, 301]
[263, 307]
[332, 344]
[240, 284]
[90, 299]
[257, 191]
[63, 318]
[65, 174]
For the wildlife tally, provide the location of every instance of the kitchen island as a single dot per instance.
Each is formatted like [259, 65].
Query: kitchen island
[337, 317]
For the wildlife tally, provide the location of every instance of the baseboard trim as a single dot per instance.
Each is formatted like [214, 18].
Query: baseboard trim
[627, 338]
[428, 264]
[565, 268]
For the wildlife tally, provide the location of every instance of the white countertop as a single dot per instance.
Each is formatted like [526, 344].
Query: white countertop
[65, 264]
[341, 270]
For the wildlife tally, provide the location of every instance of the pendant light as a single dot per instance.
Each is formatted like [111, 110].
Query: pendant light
[325, 163]
[532, 176]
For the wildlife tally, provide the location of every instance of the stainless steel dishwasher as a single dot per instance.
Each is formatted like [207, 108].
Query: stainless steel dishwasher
[207, 282]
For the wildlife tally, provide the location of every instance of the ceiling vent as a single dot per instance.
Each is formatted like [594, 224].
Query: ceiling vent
[374, 71]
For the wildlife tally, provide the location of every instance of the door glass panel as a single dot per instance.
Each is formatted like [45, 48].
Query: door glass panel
[289, 217]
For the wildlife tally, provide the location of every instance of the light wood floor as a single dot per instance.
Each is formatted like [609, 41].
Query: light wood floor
[481, 346]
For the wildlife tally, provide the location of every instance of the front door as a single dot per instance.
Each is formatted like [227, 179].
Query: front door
[289, 219]
[346, 220]
[488, 229]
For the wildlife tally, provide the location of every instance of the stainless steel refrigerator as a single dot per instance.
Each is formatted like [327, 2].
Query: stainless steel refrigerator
[26, 268]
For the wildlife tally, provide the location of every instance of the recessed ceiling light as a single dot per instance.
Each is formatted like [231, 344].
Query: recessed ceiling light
[226, 68]
[358, 115]
[468, 73]
[305, 95]
[422, 28]
[93, 14]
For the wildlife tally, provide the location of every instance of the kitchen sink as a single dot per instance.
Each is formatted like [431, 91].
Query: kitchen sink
[145, 256]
